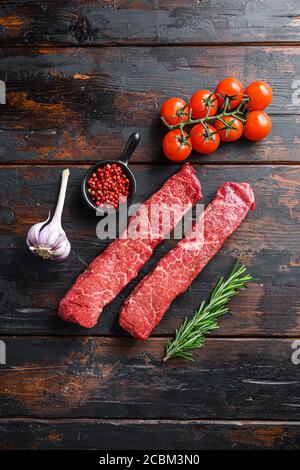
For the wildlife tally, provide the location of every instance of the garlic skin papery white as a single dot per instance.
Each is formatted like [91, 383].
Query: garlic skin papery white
[49, 240]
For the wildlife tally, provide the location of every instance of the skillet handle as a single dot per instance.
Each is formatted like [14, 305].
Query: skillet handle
[130, 147]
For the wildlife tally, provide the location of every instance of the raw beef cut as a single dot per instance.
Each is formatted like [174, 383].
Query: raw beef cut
[109, 273]
[173, 274]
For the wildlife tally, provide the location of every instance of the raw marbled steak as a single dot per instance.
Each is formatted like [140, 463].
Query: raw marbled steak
[109, 273]
[173, 274]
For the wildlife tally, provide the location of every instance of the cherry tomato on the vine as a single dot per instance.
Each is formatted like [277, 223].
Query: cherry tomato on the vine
[230, 128]
[205, 139]
[232, 88]
[175, 146]
[258, 125]
[260, 94]
[174, 111]
[203, 103]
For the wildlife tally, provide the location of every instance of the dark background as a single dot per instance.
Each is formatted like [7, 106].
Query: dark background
[81, 76]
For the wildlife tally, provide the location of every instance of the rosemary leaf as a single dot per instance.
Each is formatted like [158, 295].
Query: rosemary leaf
[190, 334]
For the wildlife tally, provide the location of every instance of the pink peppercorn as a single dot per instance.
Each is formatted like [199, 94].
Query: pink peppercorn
[108, 185]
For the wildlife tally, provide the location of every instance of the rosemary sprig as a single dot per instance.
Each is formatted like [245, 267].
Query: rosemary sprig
[190, 334]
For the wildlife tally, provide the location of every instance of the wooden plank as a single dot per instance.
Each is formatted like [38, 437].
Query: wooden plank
[82, 104]
[96, 377]
[147, 435]
[268, 239]
[157, 22]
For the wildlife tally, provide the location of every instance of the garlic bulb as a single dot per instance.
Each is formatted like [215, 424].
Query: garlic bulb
[49, 240]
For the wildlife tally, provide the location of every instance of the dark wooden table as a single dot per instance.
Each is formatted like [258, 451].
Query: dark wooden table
[80, 77]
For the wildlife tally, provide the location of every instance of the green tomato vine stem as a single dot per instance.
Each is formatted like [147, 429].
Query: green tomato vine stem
[237, 113]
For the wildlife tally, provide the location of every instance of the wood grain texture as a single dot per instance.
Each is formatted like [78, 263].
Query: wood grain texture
[80, 105]
[96, 377]
[80, 22]
[268, 240]
[98, 434]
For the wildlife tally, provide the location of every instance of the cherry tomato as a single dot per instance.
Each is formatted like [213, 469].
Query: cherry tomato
[232, 88]
[203, 103]
[260, 94]
[231, 131]
[205, 139]
[175, 147]
[258, 125]
[174, 111]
